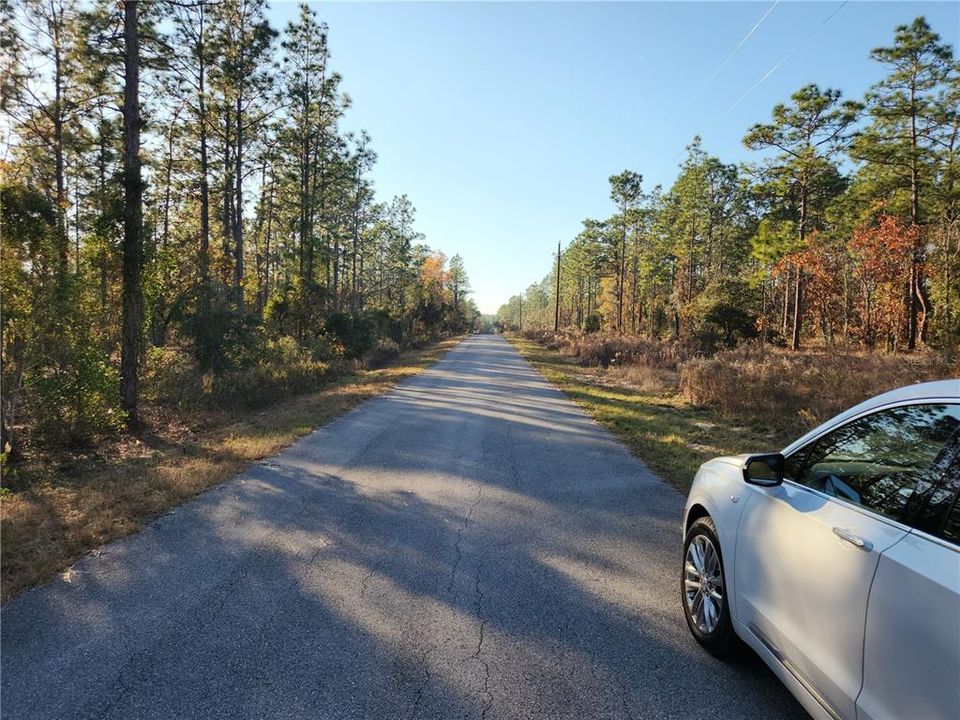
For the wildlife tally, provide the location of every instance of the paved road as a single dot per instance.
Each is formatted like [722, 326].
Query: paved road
[469, 545]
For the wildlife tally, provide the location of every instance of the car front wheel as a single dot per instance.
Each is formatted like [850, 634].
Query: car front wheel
[703, 590]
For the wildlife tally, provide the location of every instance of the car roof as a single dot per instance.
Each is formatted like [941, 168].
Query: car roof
[936, 390]
[918, 391]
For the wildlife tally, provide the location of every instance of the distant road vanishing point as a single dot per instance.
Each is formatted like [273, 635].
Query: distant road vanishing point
[469, 545]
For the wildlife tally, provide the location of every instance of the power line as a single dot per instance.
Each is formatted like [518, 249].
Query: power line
[727, 59]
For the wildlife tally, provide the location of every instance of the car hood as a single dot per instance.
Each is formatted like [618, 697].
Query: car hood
[734, 460]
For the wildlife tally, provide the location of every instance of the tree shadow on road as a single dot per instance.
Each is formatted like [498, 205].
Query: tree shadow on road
[527, 567]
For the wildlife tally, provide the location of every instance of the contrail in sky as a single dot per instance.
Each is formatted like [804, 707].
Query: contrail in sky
[727, 59]
[776, 67]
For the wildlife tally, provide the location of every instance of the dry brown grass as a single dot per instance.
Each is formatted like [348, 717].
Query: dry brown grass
[68, 506]
[609, 351]
[789, 392]
[745, 400]
[645, 378]
[795, 391]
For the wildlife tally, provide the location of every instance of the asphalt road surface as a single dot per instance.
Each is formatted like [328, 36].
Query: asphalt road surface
[469, 545]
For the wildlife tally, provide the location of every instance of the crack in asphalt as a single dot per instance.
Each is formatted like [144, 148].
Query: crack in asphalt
[463, 527]
[364, 583]
[486, 689]
[423, 685]
[122, 690]
[478, 607]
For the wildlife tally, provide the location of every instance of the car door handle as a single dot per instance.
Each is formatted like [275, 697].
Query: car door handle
[853, 538]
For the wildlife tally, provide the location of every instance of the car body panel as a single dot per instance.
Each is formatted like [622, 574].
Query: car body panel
[713, 492]
[810, 703]
[912, 649]
[803, 589]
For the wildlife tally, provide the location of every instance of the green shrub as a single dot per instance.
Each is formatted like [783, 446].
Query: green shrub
[324, 348]
[223, 335]
[357, 333]
[265, 383]
[721, 316]
[77, 400]
[385, 326]
[172, 377]
[272, 370]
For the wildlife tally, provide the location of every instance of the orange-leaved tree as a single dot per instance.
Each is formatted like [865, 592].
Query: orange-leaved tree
[883, 254]
[824, 264]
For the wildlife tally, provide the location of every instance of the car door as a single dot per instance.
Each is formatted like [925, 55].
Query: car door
[807, 550]
[911, 665]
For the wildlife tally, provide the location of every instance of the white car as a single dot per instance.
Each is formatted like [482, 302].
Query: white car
[838, 560]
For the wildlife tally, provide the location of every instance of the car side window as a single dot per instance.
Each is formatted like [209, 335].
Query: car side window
[892, 461]
[950, 530]
[933, 507]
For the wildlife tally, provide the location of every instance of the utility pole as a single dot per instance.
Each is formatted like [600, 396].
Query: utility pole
[521, 312]
[556, 315]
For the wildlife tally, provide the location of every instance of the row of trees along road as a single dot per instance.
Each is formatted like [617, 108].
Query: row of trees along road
[845, 229]
[175, 176]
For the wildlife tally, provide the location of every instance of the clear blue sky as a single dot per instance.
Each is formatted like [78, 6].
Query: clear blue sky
[502, 121]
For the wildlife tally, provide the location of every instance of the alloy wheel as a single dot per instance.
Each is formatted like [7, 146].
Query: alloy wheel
[703, 584]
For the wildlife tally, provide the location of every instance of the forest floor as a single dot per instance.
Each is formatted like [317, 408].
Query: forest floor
[670, 435]
[67, 507]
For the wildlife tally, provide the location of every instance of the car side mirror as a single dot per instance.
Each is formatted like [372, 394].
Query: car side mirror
[764, 470]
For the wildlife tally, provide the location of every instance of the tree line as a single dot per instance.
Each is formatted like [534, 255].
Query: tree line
[175, 176]
[844, 230]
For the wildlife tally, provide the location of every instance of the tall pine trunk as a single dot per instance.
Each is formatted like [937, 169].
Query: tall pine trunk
[917, 301]
[168, 177]
[786, 302]
[798, 288]
[238, 208]
[797, 310]
[269, 237]
[204, 249]
[354, 280]
[227, 186]
[59, 168]
[622, 271]
[103, 253]
[131, 300]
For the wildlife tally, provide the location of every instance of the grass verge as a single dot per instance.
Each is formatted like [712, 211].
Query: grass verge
[669, 434]
[67, 509]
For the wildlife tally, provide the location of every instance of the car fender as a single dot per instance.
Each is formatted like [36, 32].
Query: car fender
[719, 489]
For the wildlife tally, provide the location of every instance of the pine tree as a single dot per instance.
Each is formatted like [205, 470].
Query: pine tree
[625, 191]
[244, 40]
[132, 247]
[801, 179]
[900, 147]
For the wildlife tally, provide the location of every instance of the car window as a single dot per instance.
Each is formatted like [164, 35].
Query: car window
[950, 530]
[933, 507]
[892, 462]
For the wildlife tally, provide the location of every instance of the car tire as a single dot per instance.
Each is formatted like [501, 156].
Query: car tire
[710, 625]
